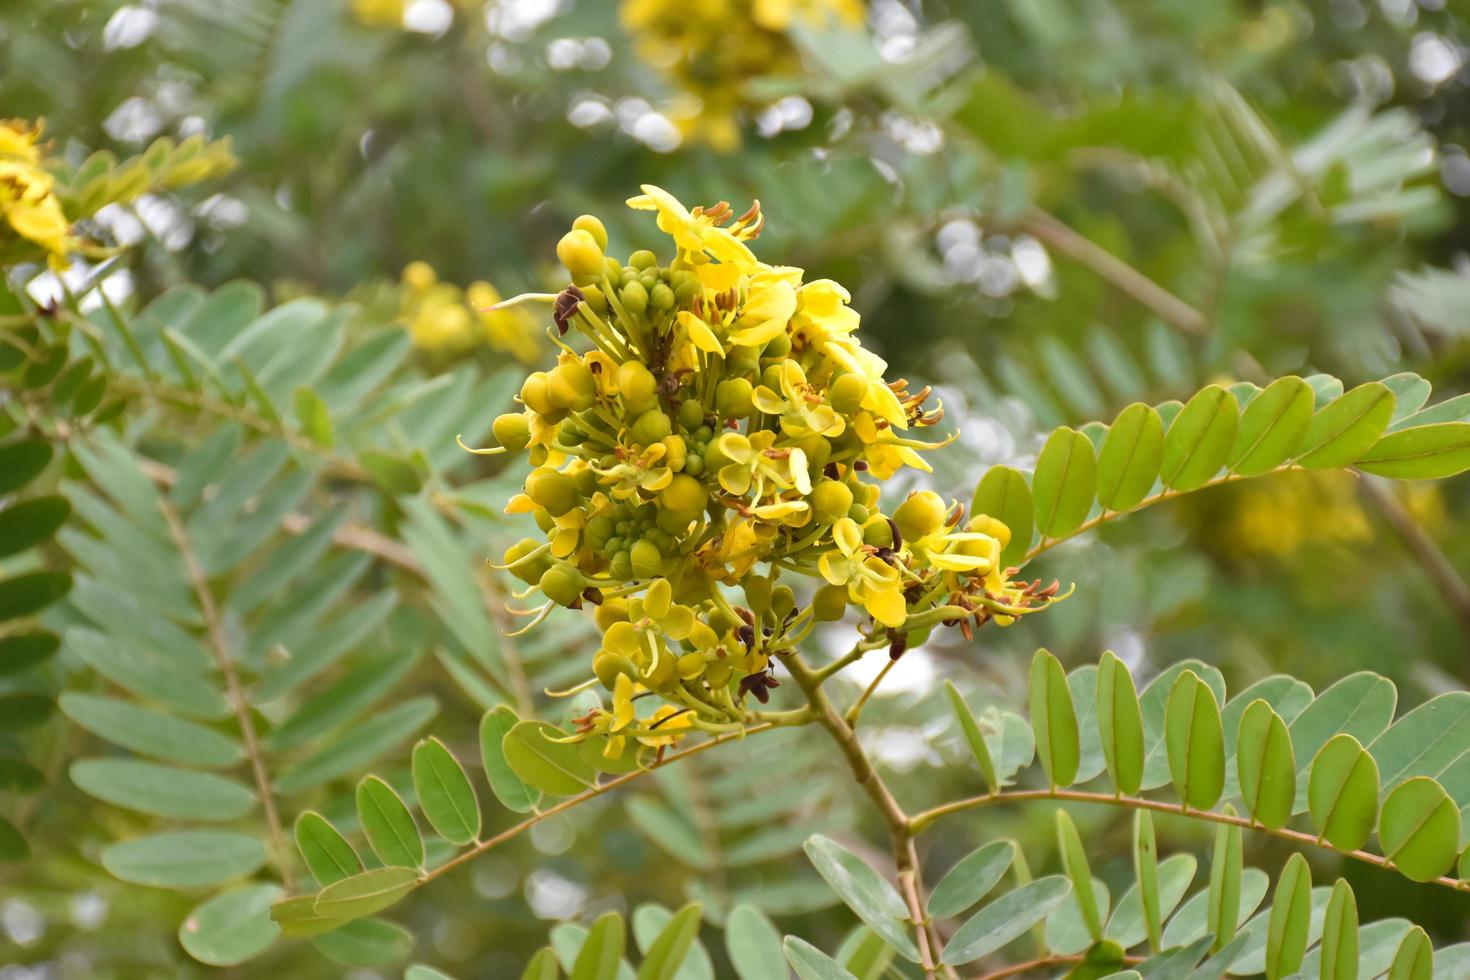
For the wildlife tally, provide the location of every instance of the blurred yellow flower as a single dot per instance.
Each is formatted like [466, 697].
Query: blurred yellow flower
[378, 13]
[28, 201]
[445, 321]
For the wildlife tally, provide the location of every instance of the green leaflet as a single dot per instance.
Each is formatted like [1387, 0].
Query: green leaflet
[1195, 741]
[864, 891]
[184, 859]
[1342, 793]
[542, 966]
[387, 824]
[1266, 765]
[1339, 949]
[149, 732]
[365, 943]
[163, 791]
[602, 951]
[1419, 829]
[1053, 719]
[1074, 862]
[811, 963]
[973, 738]
[971, 879]
[1005, 919]
[1120, 724]
[231, 927]
[1272, 426]
[1064, 483]
[1226, 868]
[552, 767]
[1426, 452]
[1346, 428]
[1131, 455]
[753, 944]
[444, 792]
[1414, 959]
[1200, 439]
[365, 893]
[666, 955]
[326, 852]
[1146, 869]
[508, 788]
[1290, 919]
[1126, 926]
[1004, 494]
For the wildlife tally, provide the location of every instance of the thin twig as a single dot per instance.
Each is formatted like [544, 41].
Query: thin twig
[220, 647]
[857, 706]
[1063, 239]
[922, 820]
[1047, 962]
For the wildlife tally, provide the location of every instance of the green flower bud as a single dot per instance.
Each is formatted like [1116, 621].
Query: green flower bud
[778, 346]
[650, 427]
[661, 296]
[691, 414]
[562, 584]
[921, 514]
[722, 621]
[831, 500]
[535, 394]
[530, 571]
[734, 398]
[594, 227]
[878, 534]
[554, 491]
[718, 673]
[599, 530]
[694, 465]
[847, 393]
[686, 291]
[580, 253]
[607, 667]
[758, 594]
[643, 259]
[684, 496]
[783, 600]
[595, 299]
[818, 450]
[621, 566]
[742, 360]
[645, 559]
[634, 297]
[570, 385]
[512, 430]
[830, 603]
[637, 386]
[859, 513]
[544, 520]
[771, 377]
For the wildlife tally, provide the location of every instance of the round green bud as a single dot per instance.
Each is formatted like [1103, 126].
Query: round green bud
[538, 455]
[512, 430]
[613, 270]
[664, 674]
[595, 299]
[921, 514]
[734, 398]
[818, 450]
[594, 227]
[878, 534]
[643, 259]
[586, 481]
[562, 584]
[691, 414]
[778, 346]
[847, 393]
[771, 377]
[634, 297]
[758, 594]
[686, 291]
[607, 667]
[661, 296]
[831, 500]
[830, 603]
[570, 385]
[544, 521]
[650, 427]
[783, 600]
[621, 566]
[599, 530]
[742, 360]
[528, 571]
[645, 558]
[684, 495]
[637, 386]
[859, 513]
[535, 395]
[694, 465]
[648, 280]
[553, 490]
[580, 253]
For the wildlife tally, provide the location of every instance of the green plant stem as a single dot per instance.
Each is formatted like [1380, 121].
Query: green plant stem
[921, 821]
[899, 824]
[234, 691]
[1047, 962]
[859, 650]
[857, 706]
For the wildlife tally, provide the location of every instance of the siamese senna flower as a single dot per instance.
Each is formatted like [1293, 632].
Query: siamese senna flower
[29, 208]
[712, 432]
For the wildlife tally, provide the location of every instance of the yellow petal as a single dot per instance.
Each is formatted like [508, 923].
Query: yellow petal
[624, 638]
[700, 333]
[658, 599]
[834, 567]
[847, 535]
[886, 606]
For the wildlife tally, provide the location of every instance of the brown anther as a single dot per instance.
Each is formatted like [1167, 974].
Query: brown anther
[565, 307]
[593, 595]
[897, 534]
[861, 465]
[897, 644]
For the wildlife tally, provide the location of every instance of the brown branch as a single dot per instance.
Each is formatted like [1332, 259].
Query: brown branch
[1064, 240]
[921, 821]
[1047, 962]
[220, 648]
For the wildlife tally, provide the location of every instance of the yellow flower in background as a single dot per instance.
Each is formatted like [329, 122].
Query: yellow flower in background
[445, 321]
[378, 13]
[28, 202]
[711, 50]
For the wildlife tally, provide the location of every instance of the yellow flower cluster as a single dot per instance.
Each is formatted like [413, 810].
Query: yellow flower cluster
[723, 428]
[445, 321]
[32, 214]
[378, 13]
[711, 50]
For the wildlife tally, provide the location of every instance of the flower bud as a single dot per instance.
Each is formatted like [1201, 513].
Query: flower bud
[554, 491]
[830, 603]
[783, 600]
[677, 452]
[580, 253]
[528, 571]
[535, 394]
[570, 385]
[562, 584]
[661, 296]
[920, 515]
[877, 533]
[758, 594]
[691, 414]
[512, 431]
[643, 259]
[645, 558]
[684, 496]
[650, 427]
[831, 501]
[607, 667]
[637, 386]
[634, 297]
[594, 227]
[734, 398]
[847, 393]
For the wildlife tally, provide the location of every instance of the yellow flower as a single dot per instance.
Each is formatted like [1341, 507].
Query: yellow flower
[696, 232]
[871, 582]
[799, 406]
[28, 203]
[378, 13]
